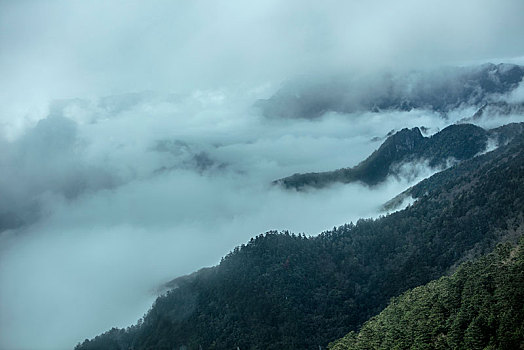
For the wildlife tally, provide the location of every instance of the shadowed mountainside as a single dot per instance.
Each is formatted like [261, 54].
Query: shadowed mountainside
[456, 143]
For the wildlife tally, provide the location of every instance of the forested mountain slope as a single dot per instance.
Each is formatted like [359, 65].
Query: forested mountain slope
[282, 291]
[456, 142]
[481, 306]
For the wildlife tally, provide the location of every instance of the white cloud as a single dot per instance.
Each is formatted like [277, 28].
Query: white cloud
[517, 95]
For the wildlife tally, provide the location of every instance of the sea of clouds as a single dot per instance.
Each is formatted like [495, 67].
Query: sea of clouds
[118, 195]
[132, 150]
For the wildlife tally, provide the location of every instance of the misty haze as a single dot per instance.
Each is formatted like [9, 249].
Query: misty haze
[262, 175]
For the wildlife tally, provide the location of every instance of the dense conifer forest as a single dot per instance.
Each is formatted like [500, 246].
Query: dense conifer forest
[479, 307]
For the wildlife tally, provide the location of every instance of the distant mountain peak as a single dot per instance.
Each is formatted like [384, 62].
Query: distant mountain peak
[439, 90]
[405, 140]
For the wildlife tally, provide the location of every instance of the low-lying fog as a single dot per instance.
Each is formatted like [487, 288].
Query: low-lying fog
[120, 196]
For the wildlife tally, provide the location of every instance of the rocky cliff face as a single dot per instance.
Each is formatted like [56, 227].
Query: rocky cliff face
[404, 141]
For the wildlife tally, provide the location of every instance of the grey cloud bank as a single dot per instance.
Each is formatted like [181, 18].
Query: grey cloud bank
[440, 90]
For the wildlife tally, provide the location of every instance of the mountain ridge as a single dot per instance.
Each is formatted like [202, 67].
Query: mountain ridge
[457, 142]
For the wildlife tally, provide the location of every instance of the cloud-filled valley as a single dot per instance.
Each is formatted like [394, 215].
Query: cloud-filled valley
[139, 142]
[162, 187]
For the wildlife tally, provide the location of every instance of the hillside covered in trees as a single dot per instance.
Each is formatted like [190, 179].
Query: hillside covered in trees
[481, 306]
[287, 291]
[456, 143]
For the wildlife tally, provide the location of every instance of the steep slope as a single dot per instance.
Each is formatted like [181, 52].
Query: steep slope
[479, 307]
[441, 91]
[282, 291]
[501, 135]
[456, 142]
[371, 171]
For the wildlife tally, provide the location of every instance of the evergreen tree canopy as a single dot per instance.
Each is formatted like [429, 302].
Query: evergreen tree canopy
[481, 306]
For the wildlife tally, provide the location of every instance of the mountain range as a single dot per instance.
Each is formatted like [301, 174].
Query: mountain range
[310, 97]
[288, 291]
[444, 272]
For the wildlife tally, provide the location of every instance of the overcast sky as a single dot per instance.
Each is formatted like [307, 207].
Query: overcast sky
[66, 49]
[131, 152]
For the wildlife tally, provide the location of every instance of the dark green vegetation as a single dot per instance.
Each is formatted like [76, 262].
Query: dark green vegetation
[481, 306]
[440, 91]
[457, 142]
[283, 291]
